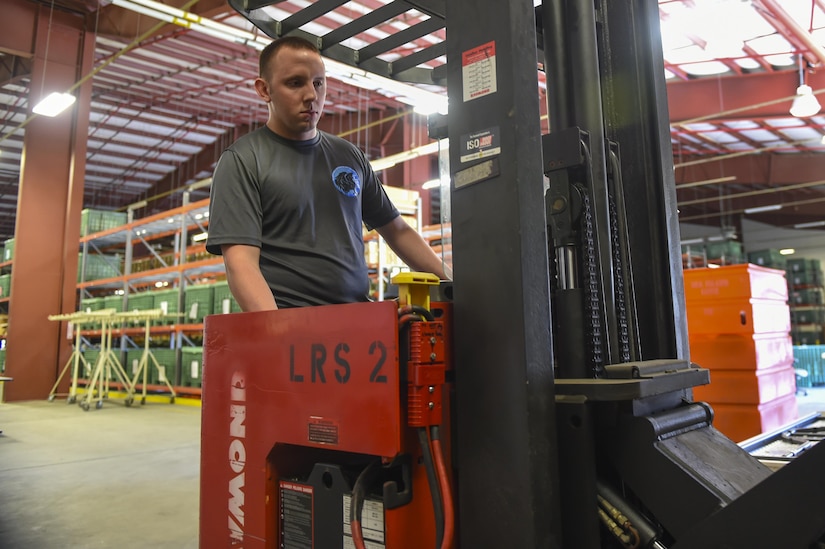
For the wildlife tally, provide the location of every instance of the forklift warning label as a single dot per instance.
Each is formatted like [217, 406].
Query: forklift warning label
[296, 516]
[372, 524]
[322, 431]
[478, 71]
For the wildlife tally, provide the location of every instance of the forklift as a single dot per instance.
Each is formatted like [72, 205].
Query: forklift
[543, 398]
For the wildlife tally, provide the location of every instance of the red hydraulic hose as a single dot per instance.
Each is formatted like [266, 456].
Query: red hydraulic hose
[357, 535]
[446, 493]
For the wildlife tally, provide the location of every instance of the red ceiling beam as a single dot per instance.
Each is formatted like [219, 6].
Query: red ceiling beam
[742, 97]
[770, 169]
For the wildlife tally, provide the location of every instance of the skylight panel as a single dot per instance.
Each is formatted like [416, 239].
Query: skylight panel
[741, 124]
[719, 137]
[707, 68]
[761, 136]
[805, 133]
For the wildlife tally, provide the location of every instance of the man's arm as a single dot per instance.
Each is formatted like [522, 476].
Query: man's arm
[246, 282]
[412, 248]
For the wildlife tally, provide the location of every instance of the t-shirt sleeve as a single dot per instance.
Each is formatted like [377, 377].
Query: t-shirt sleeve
[235, 213]
[376, 207]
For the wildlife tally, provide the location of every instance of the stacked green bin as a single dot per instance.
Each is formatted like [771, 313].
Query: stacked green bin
[729, 251]
[191, 373]
[94, 221]
[768, 258]
[166, 360]
[113, 302]
[131, 363]
[223, 302]
[98, 266]
[91, 355]
[167, 301]
[8, 250]
[142, 301]
[5, 285]
[198, 302]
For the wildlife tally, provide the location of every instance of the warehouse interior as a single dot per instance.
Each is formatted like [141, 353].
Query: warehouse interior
[105, 207]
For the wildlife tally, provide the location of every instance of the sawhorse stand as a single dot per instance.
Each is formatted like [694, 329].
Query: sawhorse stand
[106, 365]
[76, 360]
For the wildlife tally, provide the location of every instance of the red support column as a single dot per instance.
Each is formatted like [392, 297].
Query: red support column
[44, 272]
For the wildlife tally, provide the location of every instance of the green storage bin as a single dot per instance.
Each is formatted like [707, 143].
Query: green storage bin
[142, 301]
[223, 302]
[807, 334]
[808, 315]
[768, 258]
[191, 373]
[99, 266]
[3, 360]
[113, 302]
[729, 250]
[131, 363]
[8, 249]
[5, 285]
[166, 358]
[167, 301]
[799, 264]
[804, 278]
[810, 296]
[95, 221]
[198, 302]
[91, 355]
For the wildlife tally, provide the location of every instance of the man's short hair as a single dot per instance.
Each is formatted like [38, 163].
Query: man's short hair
[294, 42]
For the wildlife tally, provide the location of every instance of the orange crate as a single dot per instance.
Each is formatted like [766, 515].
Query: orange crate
[742, 421]
[748, 387]
[738, 316]
[734, 281]
[741, 351]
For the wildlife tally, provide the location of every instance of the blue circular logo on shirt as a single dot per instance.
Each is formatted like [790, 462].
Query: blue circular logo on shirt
[346, 180]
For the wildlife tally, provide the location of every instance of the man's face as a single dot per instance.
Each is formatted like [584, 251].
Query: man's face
[295, 89]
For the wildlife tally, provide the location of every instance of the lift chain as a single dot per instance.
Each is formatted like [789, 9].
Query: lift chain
[591, 289]
[618, 270]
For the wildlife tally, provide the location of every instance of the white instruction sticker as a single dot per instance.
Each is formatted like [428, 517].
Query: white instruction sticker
[478, 71]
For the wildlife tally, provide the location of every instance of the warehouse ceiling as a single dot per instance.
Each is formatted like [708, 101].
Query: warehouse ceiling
[166, 100]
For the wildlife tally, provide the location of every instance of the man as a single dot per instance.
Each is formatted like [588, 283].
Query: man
[288, 200]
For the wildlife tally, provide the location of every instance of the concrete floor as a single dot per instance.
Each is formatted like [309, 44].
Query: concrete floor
[118, 477]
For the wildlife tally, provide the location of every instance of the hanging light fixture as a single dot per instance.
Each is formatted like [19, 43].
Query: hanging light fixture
[54, 104]
[805, 103]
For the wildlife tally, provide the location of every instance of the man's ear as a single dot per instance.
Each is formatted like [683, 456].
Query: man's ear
[262, 89]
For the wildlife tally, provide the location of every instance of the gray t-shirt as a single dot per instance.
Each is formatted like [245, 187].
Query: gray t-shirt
[302, 203]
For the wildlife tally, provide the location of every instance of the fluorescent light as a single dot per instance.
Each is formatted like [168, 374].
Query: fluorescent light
[809, 225]
[392, 160]
[787, 251]
[54, 104]
[760, 209]
[200, 237]
[692, 241]
[805, 103]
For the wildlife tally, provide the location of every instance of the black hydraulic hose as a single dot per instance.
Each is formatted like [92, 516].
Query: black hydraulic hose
[432, 480]
[417, 309]
[359, 493]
